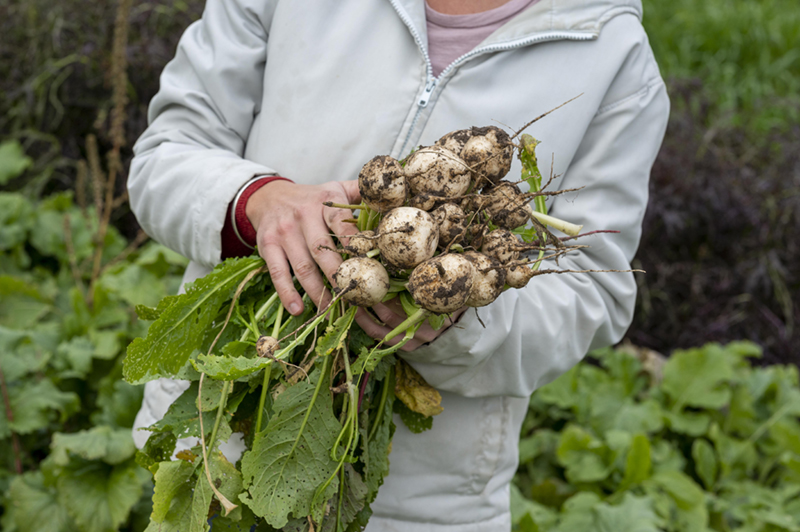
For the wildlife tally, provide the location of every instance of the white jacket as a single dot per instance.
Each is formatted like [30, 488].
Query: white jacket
[312, 90]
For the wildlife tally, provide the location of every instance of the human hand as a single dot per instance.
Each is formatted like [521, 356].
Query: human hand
[293, 232]
[391, 314]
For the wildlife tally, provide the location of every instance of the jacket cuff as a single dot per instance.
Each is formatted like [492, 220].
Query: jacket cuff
[238, 234]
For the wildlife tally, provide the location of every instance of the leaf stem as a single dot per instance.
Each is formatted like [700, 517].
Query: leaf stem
[387, 382]
[268, 371]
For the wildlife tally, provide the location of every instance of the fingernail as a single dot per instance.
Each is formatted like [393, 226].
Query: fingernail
[295, 308]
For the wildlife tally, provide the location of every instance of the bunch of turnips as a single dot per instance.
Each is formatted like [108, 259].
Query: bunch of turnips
[313, 396]
[443, 225]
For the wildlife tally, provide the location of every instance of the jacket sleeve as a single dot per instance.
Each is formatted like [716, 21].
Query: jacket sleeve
[188, 164]
[533, 335]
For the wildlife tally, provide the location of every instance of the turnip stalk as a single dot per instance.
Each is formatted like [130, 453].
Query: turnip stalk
[565, 227]
[276, 330]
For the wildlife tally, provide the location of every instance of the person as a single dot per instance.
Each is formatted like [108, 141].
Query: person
[310, 91]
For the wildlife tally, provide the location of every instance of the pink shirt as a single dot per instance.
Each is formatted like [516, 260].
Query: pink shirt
[451, 36]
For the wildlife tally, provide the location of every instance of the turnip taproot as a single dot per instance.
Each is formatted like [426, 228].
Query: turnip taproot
[437, 171]
[487, 281]
[382, 184]
[406, 237]
[442, 284]
[361, 281]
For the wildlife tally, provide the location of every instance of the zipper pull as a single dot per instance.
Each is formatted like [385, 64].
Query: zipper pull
[423, 100]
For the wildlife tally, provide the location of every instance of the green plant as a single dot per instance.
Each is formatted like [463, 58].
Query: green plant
[704, 442]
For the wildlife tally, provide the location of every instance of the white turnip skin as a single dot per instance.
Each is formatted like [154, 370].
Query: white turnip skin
[452, 224]
[406, 237]
[437, 171]
[266, 346]
[455, 140]
[426, 202]
[506, 205]
[489, 152]
[361, 243]
[488, 281]
[518, 275]
[382, 184]
[501, 244]
[443, 283]
[362, 281]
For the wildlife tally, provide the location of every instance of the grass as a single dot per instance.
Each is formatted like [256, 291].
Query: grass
[746, 54]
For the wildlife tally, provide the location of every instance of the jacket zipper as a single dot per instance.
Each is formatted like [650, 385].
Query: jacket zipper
[431, 82]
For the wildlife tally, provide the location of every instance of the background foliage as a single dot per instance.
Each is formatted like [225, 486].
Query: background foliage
[719, 245]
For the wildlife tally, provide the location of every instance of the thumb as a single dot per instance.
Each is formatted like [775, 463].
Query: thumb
[351, 191]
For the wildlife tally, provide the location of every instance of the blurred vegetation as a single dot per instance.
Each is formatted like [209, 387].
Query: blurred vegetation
[747, 55]
[720, 246]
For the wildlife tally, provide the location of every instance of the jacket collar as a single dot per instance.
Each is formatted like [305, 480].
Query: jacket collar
[579, 18]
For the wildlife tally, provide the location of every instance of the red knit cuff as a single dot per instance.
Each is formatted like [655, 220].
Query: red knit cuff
[232, 246]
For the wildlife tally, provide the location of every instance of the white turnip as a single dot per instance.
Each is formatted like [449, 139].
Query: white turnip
[362, 281]
[406, 237]
[442, 284]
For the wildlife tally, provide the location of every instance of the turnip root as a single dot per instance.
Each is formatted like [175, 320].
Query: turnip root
[489, 152]
[437, 171]
[266, 346]
[506, 206]
[500, 244]
[423, 201]
[518, 275]
[406, 237]
[488, 280]
[361, 281]
[382, 184]
[451, 220]
[361, 243]
[442, 284]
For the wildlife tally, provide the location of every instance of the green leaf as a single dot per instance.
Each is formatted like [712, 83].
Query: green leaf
[637, 464]
[229, 368]
[134, 284]
[21, 303]
[680, 487]
[290, 459]
[705, 462]
[158, 448]
[693, 424]
[583, 456]
[33, 404]
[352, 501]
[699, 377]
[16, 219]
[77, 353]
[182, 418]
[98, 496]
[635, 514]
[113, 446]
[13, 160]
[522, 507]
[336, 334]
[375, 450]
[30, 501]
[181, 327]
[181, 498]
[415, 422]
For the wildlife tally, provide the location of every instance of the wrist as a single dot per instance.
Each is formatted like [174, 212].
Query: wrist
[245, 212]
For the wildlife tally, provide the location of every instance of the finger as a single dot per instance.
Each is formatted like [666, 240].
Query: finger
[335, 220]
[307, 272]
[351, 191]
[322, 248]
[281, 275]
[388, 315]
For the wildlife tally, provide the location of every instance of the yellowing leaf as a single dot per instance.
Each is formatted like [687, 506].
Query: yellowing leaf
[411, 388]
